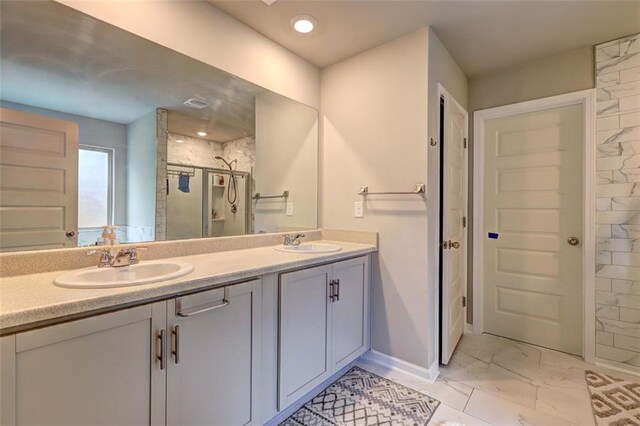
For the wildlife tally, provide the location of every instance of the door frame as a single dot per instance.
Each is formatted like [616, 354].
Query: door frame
[586, 98]
[443, 93]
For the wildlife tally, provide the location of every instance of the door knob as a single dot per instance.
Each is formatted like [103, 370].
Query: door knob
[574, 241]
[451, 244]
[70, 234]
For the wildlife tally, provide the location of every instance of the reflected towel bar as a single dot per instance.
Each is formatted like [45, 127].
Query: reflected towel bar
[420, 189]
[258, 196]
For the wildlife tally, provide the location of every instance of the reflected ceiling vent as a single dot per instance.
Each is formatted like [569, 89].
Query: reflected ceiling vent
[196, 103]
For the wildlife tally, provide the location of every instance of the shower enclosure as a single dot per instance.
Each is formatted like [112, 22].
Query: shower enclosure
[217, 204]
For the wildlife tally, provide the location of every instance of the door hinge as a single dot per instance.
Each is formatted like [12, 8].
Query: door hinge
[464, 301]
[465, 143]
[464, 221]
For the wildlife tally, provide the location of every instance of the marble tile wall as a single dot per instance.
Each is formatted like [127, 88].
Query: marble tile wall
[202, 152]
[618, 200]
[162, 133]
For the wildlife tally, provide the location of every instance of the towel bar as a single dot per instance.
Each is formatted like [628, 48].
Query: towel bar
[258, 196]
[420, 189]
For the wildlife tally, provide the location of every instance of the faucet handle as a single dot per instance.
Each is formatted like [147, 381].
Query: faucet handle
[295, 240]
[105, 256]
[133, 253]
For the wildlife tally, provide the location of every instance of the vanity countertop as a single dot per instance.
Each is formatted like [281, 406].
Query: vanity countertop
[29, 301]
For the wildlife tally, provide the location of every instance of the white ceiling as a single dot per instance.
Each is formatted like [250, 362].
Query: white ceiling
[482, 36]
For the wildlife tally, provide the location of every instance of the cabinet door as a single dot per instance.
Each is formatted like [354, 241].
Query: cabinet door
[213, 355]
[349, 311]
[101, 370]
[303, 331]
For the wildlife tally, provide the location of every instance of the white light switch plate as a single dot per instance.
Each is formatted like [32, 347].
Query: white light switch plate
[358, 209]
[289, 209]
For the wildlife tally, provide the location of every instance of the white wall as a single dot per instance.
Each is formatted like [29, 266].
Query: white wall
[374, 129]
[201, 31]
[141, 179]
[378, 110]
[286, 159]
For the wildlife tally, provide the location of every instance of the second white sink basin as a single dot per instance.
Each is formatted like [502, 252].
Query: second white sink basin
[142, 273]
[308, 248]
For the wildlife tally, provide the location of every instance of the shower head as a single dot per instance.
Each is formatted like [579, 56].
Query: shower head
[217, 157]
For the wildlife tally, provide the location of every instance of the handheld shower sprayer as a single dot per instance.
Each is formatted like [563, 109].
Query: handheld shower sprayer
[232, 186]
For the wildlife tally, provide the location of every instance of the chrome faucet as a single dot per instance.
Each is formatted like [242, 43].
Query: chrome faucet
[105, 256]
[293, 239]
[123, 257]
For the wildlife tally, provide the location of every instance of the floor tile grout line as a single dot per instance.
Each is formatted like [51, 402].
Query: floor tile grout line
[468, 399]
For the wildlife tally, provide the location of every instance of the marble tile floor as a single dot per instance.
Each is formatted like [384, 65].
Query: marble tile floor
[491, 380]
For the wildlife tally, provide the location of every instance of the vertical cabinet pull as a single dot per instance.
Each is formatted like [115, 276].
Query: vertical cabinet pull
[176, 341]
[161, 353]
[334, 290]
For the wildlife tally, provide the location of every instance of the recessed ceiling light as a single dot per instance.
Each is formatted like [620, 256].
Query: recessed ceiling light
[179, 140]
[201, 134]
[303, 23]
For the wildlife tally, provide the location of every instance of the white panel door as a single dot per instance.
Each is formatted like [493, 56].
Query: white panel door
[210, 369]
[38, 181]
[96, 371]
[303, 333]
[454, 207]
[532, 207]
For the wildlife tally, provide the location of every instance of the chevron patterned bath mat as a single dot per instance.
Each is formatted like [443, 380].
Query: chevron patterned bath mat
[363, 398]
[615, 402]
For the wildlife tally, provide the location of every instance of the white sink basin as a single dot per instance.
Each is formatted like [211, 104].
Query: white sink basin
[142, 273]
[310, 248]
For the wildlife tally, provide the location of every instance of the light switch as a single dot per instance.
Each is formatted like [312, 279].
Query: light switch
[358, 209]
[289, 208]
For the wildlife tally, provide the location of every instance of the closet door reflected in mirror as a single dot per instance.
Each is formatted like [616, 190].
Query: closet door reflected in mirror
[129, 133]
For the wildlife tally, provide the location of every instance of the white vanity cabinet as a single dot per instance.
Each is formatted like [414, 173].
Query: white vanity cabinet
[191, 360]
[100, 370]
[323, 324]
[213, 356]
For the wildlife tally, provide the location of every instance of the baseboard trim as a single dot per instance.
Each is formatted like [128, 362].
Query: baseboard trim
[617, 366]
[429, 374]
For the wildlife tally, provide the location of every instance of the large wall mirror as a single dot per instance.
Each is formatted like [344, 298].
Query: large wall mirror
[102, 127]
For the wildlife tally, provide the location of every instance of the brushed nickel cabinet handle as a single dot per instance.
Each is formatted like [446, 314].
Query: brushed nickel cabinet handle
[337, 290]
[185, 313]
[332, 290]
[161, 353]
[176, 341]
